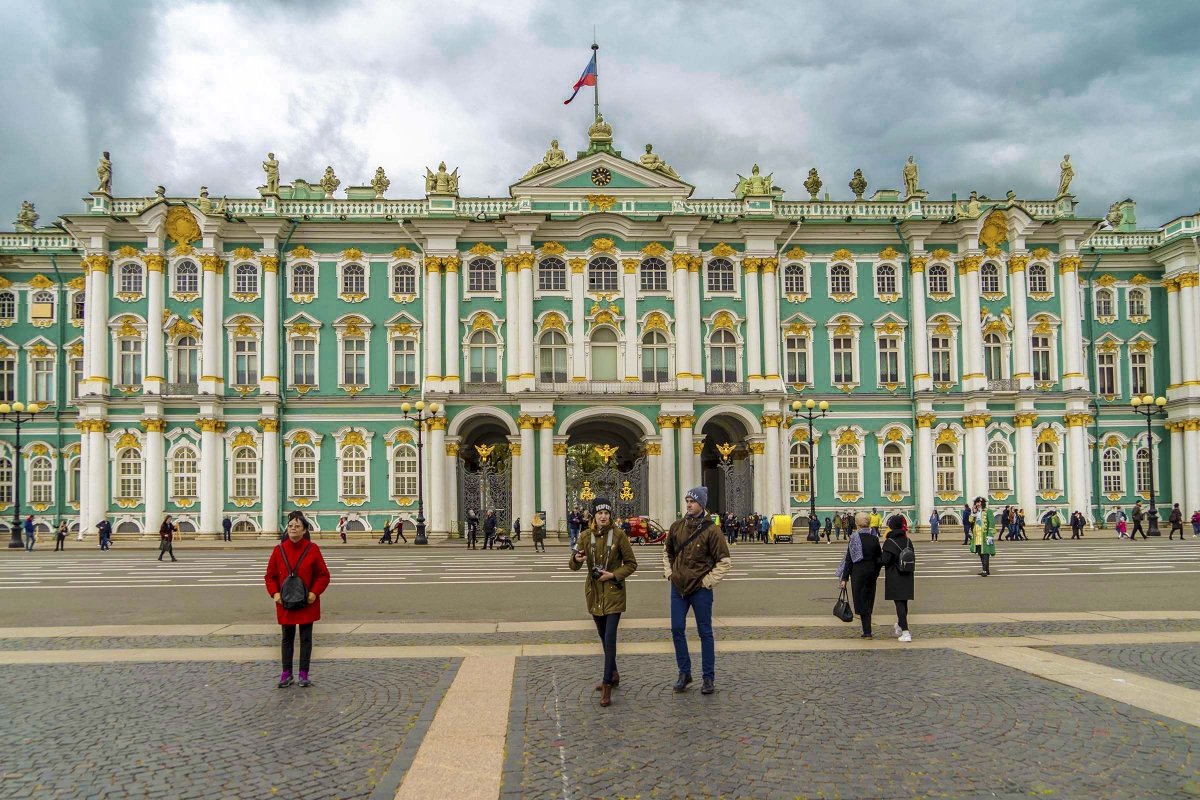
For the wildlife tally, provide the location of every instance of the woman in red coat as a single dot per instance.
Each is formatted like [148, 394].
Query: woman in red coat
[305, 558]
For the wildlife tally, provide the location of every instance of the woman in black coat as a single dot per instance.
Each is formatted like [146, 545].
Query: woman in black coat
[897, 585]
[861, 568]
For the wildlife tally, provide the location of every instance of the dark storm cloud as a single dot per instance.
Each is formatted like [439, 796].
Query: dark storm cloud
[988, 97]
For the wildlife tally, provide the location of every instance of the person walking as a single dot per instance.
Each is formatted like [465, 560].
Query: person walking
[828, 530]
[695, 559]
[1022, 534]
[516, 529]
[899, 560]
[104, 529]
[605, 548]
[473, 528]
[1014, 525]
[296, 558]
[166, 537]
[398, 530]
[1077, 523]
[875, 521]
[1138, 516]
[814, 529]
[1175, 518]
[60, 541]
[1195, 524]
[387, 532]
[860, 567]
[341, 529]
[935, 522]
[966, 521]
[227, 528]
[983, 539]
[1121, 528]
[30, 533]
[574, 526]
[539, 532]
[489, 530]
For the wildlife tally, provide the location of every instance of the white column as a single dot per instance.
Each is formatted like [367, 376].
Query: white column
[1191, 455]
[1020, 320]
[973, 376]
[1072, 324]
[695, 329]
[270, 474]
[687, 479]
[683, 326]
[1175, 346]
[212, 372]
[1187, 330]
[753, 328]
[924, 457]
[528, 470]
[512, 326]
[922, 382]
[654, 455]
[631, 320]
[969, 464]
[525, 318]
[453, 513]
[451, 381]
[212, 465]
[97, 476]
[155, 492]
[1025, 465]
[85, 512]
[155, 375]
[560, 481]
[770, 325]
[785, 469]
[1178, 482]
[437, 475]
[758, 456]
[96, 320]
[515, 471]
[578, 367]
[433, 324]
[771, 460]
[670, 494]
[550, 502]
[268, 382]
[1078, 466]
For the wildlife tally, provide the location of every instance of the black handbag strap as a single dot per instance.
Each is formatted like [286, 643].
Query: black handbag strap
[291, 569]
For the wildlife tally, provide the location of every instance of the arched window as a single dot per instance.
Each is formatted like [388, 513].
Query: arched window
[184, 474]
[989, 279]
[245, 472]
[131, 278]
[129, 474]
[481, 275]
[1040, 346]
[482, 354]
[722, 357]
[794, 279]
[6, 480]
[187, 360]
[847, 469]
[404, 471]
[354, 279]
[602, 275]
[78, 306]
[720, 275]
[654, 275]
[800, 462]
[246, 281]
[999, 468]
[242, 526]
[993, 357]
[1038, 282]
[1047, 467]
[893, 469]
[946, 469]
[1137, 303]
[404, 279]
[187, 278]
[604, 354]
[795, 356]
[1141, 467]
[404, 361]
[8, 306]
[304, 279]
[654, 357]
[839, 279]
[354, 472]
[304, 472]
[885, 279]
[939, 279]
[1104, 303]
[552, 275]
[552, 357]
[41, 480]
[1112, 473]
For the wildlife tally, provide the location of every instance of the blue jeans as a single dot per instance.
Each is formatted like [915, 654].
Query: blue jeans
[701, 603]
[28, 541]
[574, 537]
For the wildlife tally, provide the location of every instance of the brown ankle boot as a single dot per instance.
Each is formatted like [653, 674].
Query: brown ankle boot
[606, 695]
[615, 680]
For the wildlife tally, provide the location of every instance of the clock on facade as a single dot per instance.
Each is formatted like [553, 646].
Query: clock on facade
[601, 176]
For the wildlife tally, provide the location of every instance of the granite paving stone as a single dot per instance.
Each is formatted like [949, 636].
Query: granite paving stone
[1171, 663]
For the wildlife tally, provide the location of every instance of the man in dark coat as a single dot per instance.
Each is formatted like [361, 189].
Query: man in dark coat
[1176, 520]
[489, 531]
[1137, 516]
[104, 528]
[966, 520]
[226, 527]
[898, 586]
[472, 528]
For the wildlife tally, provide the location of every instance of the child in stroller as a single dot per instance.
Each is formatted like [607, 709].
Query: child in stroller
[503, 542]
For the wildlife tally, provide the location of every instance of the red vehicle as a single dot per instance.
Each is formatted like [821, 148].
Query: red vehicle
[643, 530]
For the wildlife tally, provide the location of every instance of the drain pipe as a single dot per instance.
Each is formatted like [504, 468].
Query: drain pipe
[283, 365]
[60, 394]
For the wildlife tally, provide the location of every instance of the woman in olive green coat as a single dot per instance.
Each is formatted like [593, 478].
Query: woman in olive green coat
[606, 551]
[983, 535]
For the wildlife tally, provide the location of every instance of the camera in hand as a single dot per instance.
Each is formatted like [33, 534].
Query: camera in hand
[597, 573]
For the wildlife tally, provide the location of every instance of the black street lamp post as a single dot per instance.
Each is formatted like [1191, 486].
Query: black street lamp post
[18, 414]
[822, 409]
[420, 417]
[1150, 407]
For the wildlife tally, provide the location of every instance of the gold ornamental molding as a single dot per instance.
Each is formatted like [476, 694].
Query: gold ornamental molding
[1017, 264]
[1068, 264]
[917, 264]
[1025, 420]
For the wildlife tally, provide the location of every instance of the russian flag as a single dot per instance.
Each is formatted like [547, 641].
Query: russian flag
[588, 78]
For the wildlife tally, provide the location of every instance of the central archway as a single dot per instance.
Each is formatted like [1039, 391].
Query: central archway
[606, 457]
[729, 479]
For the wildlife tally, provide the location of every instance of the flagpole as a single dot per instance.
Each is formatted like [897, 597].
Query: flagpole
[596, 87]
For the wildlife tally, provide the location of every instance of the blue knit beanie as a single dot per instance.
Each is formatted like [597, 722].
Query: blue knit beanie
[699, 494]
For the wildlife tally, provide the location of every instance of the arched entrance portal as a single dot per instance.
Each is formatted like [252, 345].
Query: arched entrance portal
[606, 457]
[726, 468]
[484, 470]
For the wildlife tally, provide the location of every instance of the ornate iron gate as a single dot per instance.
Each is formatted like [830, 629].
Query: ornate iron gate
[738, 477]
[628, 490]
[483, 489]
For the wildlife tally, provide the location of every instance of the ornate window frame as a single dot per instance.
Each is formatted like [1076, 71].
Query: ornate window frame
[180, 439]
[897, 280]
[236, 439]
[1144, 289]
[484, 320]
[891, 326]
[244, 327]
[296, 438]
[788, 292]
[302, 326]
[126, 327]
[724, 320]
[467, 268]
[135, 270]
[842, 258]
[351, 436]
[838, 327]
[173, 279]
[353, 326]
[900, 436]
[1053, 434]
[1045, 267]
[9, 350]
[799, 438]
[1143, 343]
[736, 266]
[347, 259]
[1114, 304]
[408, 263]
[948, 435]
[239, 268]
[308, 261]
[175, 328]
[10, 292]
[72, 462]
[855, 437]
[41, 349]
[401, 437]
[1046, 324]
[998, 437]
[998, 326]
[30, 453]
[800, 326]
[944, 325]
[667, 272]
[621, 345]
[1001, 279]
[404, 327]
[942, 265]
[121, 440]
[1109, 345]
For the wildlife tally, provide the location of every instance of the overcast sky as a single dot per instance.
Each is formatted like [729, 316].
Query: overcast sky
[988, 96]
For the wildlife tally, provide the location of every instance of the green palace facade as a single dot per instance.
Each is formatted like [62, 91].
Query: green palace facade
[597, 331]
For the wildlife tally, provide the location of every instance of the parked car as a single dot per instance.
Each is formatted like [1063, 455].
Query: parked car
[643, 530]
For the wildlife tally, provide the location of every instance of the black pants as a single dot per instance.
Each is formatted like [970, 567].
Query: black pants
[399, 531]
[1137, 528]
[60, 544]
[985, 559]
[1173, 529]
[228, 537]
[289, 645]
[866, 623]
[168, 550]
[606, 626]
[489, 541]
[1076, 533]
[902, 614]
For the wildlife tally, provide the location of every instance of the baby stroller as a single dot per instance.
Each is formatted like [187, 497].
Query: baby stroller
[503, 542]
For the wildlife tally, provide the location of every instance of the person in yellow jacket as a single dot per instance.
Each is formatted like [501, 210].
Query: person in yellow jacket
[875, 521]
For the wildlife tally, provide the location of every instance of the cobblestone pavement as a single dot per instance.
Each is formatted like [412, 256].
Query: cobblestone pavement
[1172, 663]
[852, 631]
[206, 730]
[834, 725]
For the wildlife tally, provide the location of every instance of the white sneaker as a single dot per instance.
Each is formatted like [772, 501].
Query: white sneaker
[896, 629]
[906, 637]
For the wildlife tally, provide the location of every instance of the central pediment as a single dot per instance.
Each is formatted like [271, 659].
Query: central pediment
[601, 173]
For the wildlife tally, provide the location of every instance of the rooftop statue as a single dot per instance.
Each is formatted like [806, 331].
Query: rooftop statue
[329, 182]
[442, 182]
[1066, 175]
[26, 218]
[220, 209]
[1114, 216]
[813, 184]
[910, 177]
[600, 131]
[271, 167]
[380, 182]
[652, 162]
[104, 173]
[754, 186]
[203, 203]
[553, 158]
[858, 184]
[160, 193]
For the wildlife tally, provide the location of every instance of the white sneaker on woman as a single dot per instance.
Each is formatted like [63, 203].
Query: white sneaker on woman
[906, 637]
[897, 629]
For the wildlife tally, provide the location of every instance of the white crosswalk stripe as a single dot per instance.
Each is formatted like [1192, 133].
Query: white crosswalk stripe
[412, 567]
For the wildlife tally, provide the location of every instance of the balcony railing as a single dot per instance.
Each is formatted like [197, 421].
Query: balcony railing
[1003, 385]
[483, 388]
[182, 389]
[606, 387]
[736, 387]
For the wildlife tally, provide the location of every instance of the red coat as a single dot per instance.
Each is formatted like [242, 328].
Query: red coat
[312, 571]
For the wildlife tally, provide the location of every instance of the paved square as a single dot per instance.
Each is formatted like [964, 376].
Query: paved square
[933, 723]
[1173, 663]
[207, 730]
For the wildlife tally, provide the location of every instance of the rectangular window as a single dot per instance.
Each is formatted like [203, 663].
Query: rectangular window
[843, 359]
[8, 379]
[245, 353]
[130, 365]
[893, 474]
[796, 352]
[654, 364]
[404, 362]
[76, 365]
[1139, 373]
[1106, 374]
[940, 366]
[1041, 358]
[354, 362]
[43, 380]
[304, 362]
[889, 360]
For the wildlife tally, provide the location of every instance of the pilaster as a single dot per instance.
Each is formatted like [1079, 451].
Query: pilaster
[1073, 377]
[452, 380]
[432, 325]
[270, 473]
[684, 323]
[754, 327]
[1022, 357]
[922, 382]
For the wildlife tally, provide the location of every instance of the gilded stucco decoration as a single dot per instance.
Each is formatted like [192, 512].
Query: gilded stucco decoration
[655, 321]
[842, 254]
[995, 230]
[603, 245]
[352, 254]
[482, 249]
[600, 202]
[795, 254]
[553, 321]
[553, 249]
[888, 254]
[181, 226]
[940, 254]
[300, 251]
[723, 250]
[243, 253]
[40, 282]
[848, 437]
[402, 252]
[482, 321]
[653, 250]
[723, 320]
